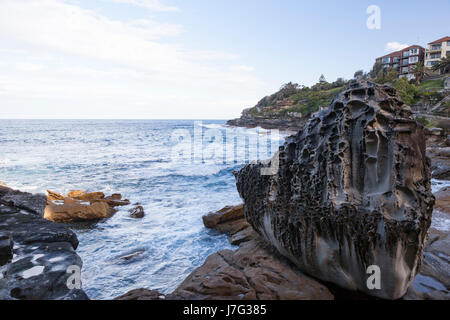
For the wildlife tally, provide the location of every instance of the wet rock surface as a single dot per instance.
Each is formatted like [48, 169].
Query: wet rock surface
[142, 294]
[35, 255]
[433, 281]
[137, 212]
[34, 203]
[352, 190]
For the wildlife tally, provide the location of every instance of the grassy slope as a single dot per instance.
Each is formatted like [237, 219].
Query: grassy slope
[306, 101]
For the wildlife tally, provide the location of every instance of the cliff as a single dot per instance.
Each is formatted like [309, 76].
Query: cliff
[290, 107]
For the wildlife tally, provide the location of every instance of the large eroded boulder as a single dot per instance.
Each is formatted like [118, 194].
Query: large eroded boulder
[352, 190]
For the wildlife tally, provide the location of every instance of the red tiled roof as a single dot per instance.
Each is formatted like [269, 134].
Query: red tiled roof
[392, 54]
[414, 45]
[399, 52]
[440, 40]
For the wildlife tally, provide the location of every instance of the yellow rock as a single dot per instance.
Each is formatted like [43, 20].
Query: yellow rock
[85, 196]
[73, 210]
[54, 196]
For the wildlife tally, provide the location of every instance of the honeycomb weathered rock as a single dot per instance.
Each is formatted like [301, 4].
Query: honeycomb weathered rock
[352, 190]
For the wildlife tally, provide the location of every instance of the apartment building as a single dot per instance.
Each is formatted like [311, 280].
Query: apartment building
[436, 51]
[403, 60]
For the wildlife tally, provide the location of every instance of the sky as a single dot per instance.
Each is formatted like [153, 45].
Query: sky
[189, 59]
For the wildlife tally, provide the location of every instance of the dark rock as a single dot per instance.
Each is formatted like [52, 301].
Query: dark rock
[33, 203]
[248, 121]
[433, 281]
[142, 294]
[42, 254]
[441, 173]
[442, 202]
[137, 212]
[352, 190]
[131, 255]
[6, 249]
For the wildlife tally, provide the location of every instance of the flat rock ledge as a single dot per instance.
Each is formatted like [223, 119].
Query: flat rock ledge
[35, 254]
[253, 271]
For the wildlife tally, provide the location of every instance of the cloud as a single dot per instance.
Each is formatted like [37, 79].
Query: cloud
[242, 68]
[91, 59]
[27, 66]
[154, 5]
[395, 46]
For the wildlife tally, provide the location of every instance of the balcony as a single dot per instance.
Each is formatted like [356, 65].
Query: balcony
[435, 48]
[434, 56]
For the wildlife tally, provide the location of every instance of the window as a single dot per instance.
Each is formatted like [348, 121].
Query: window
[431, 63]
[386, 60]
[414, 51]
[436, 47]
[396, 59]
[405, 70]
[406, 54]
[413, 59]
[435, 55]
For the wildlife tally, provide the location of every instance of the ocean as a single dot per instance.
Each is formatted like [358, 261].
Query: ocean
[157, 163]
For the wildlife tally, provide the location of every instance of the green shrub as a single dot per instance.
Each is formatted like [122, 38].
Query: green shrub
[407, 91]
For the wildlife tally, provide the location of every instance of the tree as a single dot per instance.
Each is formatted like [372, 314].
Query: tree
[339, 82]
[443, 65]
[406, 91]
[288, 89]
[419, 72]
[358, 74]
[375, 72]
[391, 75]
[322, 79]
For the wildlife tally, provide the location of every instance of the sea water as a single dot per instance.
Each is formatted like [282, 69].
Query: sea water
[136, 159]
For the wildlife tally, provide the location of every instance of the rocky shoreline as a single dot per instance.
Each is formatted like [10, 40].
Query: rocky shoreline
[256, 270]
[249, 121]
[37, 256]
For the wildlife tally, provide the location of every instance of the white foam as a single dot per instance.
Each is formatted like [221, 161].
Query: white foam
[437, 185]
[440, 221]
